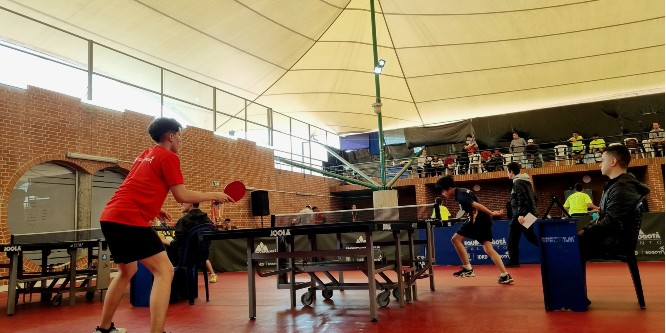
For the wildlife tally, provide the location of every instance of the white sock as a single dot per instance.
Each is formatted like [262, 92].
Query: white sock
[467, 266]
[504, 274]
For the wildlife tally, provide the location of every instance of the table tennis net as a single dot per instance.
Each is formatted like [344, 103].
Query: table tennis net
[411, 213]
[57, 236]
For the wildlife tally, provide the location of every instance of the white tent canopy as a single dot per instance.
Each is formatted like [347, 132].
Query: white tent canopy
[312, 60]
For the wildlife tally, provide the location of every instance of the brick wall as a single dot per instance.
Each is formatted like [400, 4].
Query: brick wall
[41, 126]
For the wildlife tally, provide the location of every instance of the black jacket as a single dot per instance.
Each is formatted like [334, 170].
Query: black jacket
[522, 199]
[190, 220]
[617, 209]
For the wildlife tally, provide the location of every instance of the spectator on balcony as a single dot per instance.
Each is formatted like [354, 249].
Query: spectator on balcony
[656, 137]
[437, 166]
[518, 144]
[449, 161]
[597, 144]
[577, 148]
[495, 162]
[470, 144]
[420, 163]
[463, 159]
[517, 148]
[532, 154]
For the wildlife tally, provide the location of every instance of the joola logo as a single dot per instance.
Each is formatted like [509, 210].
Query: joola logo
[360, 239]
[652, 236]
[284, 232]
[12, 248]
[75, 245]
[262, 248]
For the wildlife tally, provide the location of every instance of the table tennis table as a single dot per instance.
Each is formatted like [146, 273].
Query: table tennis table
[292, 262]
[46, 246]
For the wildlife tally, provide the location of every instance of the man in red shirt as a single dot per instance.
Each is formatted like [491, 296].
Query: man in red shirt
[126, 218]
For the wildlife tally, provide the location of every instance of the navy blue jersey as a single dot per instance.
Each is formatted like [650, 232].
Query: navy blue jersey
[465, 198]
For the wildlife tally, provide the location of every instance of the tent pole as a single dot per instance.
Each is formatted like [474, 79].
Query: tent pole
[377, 106]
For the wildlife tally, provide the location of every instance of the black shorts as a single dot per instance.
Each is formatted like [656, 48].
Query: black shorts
[480, 230]
[129, 243]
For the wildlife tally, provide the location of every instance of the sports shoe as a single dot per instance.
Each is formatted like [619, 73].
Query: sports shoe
[506, 279]
[213, 278]
[464, 272]
[112, 329]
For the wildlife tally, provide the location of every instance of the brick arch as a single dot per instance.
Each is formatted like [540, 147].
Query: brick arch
[90, 167]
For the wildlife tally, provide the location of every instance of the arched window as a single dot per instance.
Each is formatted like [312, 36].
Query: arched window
[104, 184]
[43, 200]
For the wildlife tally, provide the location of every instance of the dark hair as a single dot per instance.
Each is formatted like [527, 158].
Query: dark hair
[578, 187]
[621, 153]
[195, 205]
[444, 183]
[470, 136]
[513, 167]
[438, 200]
[227, 220]
[161, 126]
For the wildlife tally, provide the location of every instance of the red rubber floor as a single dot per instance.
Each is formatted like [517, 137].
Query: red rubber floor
[476, 304]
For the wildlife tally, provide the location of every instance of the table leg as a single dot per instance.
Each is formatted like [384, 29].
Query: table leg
[13, 281]
[72, 276]
[430, 253]
[398, 268]
[372, 288]
[251, 286]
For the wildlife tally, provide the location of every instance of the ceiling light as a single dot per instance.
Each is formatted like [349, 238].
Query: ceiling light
[380, 66]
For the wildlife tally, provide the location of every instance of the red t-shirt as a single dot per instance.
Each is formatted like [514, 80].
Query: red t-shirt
[140, 197]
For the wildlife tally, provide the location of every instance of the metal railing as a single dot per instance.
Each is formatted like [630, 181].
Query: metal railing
[496, 159]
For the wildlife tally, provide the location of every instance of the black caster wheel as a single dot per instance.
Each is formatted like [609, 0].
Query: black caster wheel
[384, 298]
[307, 299]
[90, 295]
[56, 300]
[395, 293]
[327, 293]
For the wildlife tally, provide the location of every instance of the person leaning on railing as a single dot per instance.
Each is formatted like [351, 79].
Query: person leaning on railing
[656, 137]
[577, 148]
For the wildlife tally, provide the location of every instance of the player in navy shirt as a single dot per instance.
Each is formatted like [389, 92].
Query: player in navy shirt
[477, 227]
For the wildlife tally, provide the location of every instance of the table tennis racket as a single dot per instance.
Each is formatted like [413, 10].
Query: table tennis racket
[236, 190]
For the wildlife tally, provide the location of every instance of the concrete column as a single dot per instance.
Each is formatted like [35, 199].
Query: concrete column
[385, 199]
[84, 202]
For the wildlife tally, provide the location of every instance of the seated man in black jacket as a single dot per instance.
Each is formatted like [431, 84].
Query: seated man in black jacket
[617, 208]
[192, 217]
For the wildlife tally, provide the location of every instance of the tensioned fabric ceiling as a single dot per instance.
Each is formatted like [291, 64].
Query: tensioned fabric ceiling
[446, 60]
